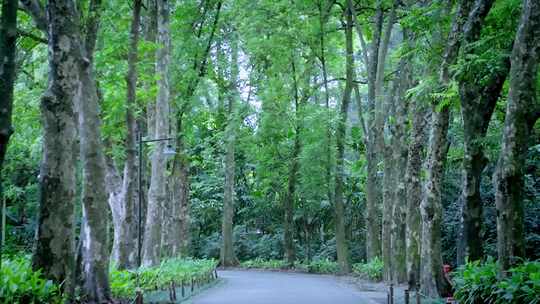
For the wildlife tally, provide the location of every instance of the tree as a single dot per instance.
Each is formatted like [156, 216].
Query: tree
[227, 255]
[289, 199]
[431, 273]
[414, 192]
[522, 111]
[341, 241]
[54, 245]
[123, 208]
[8, 48]
[94, 195]
[478, 100]
[157, 192]
[399, 149]
[197, 70]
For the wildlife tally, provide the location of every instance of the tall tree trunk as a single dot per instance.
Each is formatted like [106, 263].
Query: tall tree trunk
[94, 195]
[328, 150]
[157, 193]
[388, 185]
[477, 104]
[341, 240]
[381, 148]
[114, 188]
[228, 256]
[180, 226]
[179, 240]
[522, 111]
[432, 281]
[125, 230]
[375, 62]
[414, 193]
[288, 234]
[431, 273]
[147, 125]
[54, 246]
[8, 48]
[399, 156]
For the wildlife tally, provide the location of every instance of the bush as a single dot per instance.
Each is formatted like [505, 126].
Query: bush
[477, 283]
[317, 266]
[260, 263]
[123, 282]
[20, 284]
[371, 270]
[323, 266]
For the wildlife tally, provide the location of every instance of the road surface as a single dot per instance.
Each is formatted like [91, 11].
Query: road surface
[266, 287]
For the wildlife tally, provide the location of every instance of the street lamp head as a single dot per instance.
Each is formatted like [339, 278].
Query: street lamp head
[169, 151]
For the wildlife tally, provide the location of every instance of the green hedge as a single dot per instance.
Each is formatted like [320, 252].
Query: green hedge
[316, 266]
[477, 283]
[19, 284]
[123, 282]
[260, 263]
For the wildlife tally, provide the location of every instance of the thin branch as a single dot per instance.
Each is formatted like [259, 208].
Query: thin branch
[360, 36]
[24, 33]
[37, 12]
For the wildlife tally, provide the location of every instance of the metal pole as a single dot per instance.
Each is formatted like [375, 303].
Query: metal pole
[391, 293]
[406, 296]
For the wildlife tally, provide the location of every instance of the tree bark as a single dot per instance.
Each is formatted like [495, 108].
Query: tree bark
[477, 105]
[380, 108]
[431, 272]
[8, 49]
[94, 195]
[228, 256]
[414, 193]
[341, 133]
[399, 156]
[54, 245]
[180, 226]
[328, 150]
[522, 111]
[157, 193]
[290, 198]
[125, 230]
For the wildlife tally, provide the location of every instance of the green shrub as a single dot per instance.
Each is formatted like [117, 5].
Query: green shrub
[323, 266]
[477, 283]
[123, 282]
[371, 270]
[260, 263]
[317, 266]
[20, 284]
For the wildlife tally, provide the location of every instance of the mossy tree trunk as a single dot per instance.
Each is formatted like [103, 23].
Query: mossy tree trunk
[8, 48]
[522, 111]
[157, 193]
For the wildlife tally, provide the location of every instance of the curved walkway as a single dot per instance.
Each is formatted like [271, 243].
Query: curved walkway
[265, 287]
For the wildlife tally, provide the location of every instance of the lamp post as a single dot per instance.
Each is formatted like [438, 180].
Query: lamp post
[169, 151]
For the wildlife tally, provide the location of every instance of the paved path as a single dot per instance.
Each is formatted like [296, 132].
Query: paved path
[264, 287]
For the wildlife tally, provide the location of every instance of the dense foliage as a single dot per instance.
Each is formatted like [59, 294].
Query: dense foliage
[19, 284]
[478, 282]
[178, 271]
[364, 136]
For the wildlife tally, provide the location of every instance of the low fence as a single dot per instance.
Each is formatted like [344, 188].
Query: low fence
[177, 291]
